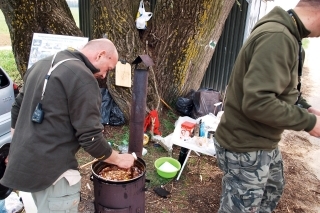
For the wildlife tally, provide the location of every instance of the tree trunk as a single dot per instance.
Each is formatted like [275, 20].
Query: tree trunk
[180, 38]
[25, 17]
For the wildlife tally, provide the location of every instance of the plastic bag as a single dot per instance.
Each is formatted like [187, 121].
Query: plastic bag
[106, 105]
[13, 203]
[184, 105]
[116, 115]
[142, 17]
[206, 101]
[110, 112]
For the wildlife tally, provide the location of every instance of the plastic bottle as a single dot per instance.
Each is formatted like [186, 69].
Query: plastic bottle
[202, 132]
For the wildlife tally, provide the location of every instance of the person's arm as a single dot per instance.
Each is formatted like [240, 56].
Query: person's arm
[316, 129]
[314, 111]
[304, 104]
[121, 160]
[15, 109]
[269, 85]
[84, 101]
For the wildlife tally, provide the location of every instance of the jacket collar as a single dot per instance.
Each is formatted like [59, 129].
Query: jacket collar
[83, 58]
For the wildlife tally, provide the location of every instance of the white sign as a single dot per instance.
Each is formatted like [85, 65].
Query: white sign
[44, 45]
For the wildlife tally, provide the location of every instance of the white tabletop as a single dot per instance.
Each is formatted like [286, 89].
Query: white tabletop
[190, 144]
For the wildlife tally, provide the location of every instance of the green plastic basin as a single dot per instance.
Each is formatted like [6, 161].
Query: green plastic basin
[167, 174]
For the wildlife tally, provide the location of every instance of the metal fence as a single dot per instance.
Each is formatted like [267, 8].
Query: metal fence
[227, 49]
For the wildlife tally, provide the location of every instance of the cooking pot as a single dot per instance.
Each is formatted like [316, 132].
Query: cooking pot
[98, 166]
[115, 196]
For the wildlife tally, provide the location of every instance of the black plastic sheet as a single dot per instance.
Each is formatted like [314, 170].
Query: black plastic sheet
[110, 112]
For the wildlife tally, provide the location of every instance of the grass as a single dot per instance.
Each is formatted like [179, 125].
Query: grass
[7, 62]
[168, 123]
[121, 133]
[4, 28]
[121, 137]
[167, 120]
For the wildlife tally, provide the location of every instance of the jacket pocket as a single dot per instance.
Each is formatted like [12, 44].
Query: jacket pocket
[66, 203]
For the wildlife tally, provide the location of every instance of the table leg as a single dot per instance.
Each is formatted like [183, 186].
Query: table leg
[184, 164]
[197, 153]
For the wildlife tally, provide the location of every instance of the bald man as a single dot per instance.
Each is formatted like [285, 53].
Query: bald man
[56, 112]
[263, 99]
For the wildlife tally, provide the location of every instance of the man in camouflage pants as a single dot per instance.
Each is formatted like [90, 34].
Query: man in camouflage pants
[263, 99]
[250, 170]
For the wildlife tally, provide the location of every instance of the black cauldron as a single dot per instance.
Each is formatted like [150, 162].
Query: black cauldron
[125, 196]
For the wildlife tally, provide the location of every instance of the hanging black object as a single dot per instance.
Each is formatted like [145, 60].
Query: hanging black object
[110, 112]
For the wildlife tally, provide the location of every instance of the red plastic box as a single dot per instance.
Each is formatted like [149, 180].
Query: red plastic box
[186, 130]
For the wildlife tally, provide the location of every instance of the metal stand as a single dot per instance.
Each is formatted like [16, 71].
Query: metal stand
[185, 162]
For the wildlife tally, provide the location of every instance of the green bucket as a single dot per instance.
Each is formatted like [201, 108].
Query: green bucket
[167, 174]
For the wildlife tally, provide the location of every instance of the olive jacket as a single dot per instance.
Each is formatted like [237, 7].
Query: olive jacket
[262, 90]
[40, 153]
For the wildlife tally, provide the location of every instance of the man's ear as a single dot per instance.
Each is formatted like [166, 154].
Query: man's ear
[100, 54]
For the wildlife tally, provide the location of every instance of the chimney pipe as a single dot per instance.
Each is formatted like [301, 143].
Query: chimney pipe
[138, 105]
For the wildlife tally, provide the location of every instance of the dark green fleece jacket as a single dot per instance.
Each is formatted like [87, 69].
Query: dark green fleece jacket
[40, 153]
[262, 90]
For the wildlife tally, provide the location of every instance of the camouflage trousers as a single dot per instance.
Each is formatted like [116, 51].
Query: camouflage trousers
[252, 181]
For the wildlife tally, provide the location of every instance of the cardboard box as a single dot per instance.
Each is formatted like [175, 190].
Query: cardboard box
[186, 130]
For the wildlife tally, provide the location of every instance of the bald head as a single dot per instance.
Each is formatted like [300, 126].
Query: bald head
[98, 45]
[308, 3]
[309, 13]
[103, 54]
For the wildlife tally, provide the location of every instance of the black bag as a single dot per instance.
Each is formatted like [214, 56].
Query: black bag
[106, 105]
[206, 101]
[184, 105]
[110, 111]
[116, 116]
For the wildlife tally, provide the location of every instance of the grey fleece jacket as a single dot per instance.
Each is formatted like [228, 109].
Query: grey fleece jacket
[40, 153]
[262, 89]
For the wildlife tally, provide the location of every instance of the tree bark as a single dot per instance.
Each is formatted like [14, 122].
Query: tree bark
[25, 17]
[180, 38]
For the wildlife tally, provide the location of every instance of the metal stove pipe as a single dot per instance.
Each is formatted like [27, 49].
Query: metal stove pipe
[138, 105]
[138, 110]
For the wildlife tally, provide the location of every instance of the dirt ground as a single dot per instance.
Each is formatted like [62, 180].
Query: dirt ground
[5, 40]
[198, 189]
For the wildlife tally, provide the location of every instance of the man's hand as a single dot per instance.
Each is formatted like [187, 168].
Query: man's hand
[314, 111]
[122, 160]
[316, 130]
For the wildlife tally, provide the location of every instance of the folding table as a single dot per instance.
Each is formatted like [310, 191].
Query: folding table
[192, 146]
